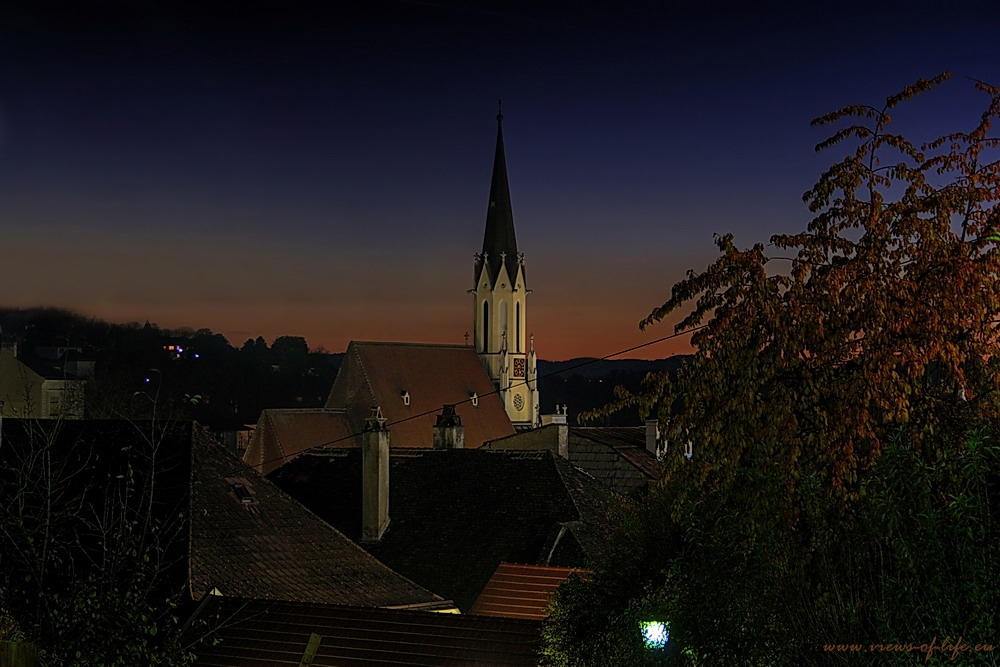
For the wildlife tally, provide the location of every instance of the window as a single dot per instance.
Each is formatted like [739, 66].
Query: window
[486, 327]
[517, 325]
[502, 320]
[242, 490]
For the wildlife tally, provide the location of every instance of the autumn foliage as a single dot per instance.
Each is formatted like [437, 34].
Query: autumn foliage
[883, 312]
[833, 465]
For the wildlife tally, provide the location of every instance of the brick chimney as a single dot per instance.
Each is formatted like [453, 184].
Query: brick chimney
[374, 477]
[448, 430]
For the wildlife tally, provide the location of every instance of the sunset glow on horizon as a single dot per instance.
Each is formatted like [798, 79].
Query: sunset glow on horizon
[324, 172]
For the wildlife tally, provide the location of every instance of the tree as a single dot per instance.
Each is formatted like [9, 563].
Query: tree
[873, 330]
[92, 540]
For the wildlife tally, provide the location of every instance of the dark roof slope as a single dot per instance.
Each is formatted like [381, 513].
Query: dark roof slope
[615, 455]
[455, 515]
[255, 633]
[248, 538]
[48, 369]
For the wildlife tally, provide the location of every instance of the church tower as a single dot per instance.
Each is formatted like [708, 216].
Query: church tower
[499, 304]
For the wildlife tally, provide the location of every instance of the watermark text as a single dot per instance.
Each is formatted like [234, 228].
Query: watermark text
[947, 647]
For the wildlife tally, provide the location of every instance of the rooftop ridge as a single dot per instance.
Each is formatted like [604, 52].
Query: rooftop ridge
[364, 374]
[306, 410]
[277, 438]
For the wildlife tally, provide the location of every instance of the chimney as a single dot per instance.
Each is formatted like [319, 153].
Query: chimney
[448, 430]
[374, 477]
[561, 420]
[652, 436]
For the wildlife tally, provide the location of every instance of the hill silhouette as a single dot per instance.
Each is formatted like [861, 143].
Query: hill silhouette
[199, 374]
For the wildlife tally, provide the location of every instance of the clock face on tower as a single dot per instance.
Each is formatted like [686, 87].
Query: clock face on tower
[518, 401]
[518, 368]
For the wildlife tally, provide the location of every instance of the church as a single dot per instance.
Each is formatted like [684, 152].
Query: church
[490, 383]
[500, 304]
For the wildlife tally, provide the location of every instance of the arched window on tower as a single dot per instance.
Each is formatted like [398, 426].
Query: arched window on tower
[502, 320]
[517, 324]
[486, 328]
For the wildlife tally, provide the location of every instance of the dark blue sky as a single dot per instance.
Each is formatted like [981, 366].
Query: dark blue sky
[322, 168]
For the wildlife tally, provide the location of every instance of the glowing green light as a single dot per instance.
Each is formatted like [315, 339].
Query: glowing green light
[655, 634]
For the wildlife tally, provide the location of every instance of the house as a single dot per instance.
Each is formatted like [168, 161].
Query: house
[38, 388]
[264, 633]
[447, 517]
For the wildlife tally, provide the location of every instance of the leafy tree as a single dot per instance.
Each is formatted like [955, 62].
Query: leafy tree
[290, 352]
[91, 551]
[931, 530]
[831, 413]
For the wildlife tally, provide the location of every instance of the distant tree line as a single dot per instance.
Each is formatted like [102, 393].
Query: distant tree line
[222, 386]
[182, 373]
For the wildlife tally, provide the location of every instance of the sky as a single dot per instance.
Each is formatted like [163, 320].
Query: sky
[321, 169]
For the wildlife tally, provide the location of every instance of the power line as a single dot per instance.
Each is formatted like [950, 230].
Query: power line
[497, 391]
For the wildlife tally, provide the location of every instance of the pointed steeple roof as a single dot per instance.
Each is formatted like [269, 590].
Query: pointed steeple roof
[499, 243]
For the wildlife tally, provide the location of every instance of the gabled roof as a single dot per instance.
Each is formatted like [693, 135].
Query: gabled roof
[250, 539]
[281, 435]
[256, 633]
[520, 591]
[455, 515]
[48, 369]
[411, 382]
[499, 242]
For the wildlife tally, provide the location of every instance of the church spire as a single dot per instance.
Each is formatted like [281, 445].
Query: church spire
[499, 304]
[499, 243]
